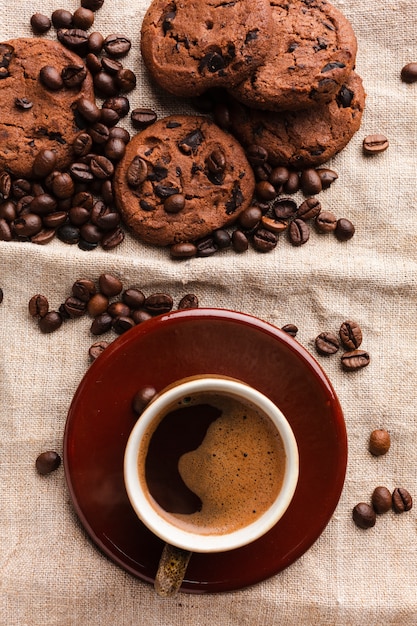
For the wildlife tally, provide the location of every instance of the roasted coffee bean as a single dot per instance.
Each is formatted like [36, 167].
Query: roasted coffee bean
[40, 23]
[61, 18]
[62, 185]
[105, 84]
[363, 515]
[54, 220]
[47, 462]
[74, 307]
[51, 78]
[83, 18]
[327, 343]
[107, 220]
[216, 164]
[274, 225]
[89, 110]
[120, 104]
[278, 177]
[355, 360]
[141, 117]
[284, 208]
[125, 80]
[50, 322]
[381, 499]
[97, 348]
[379, 442]
[290, 329]
[8, 211]
[111, 66]
[38, 305]
[373, 144]
[67, 233]
[44, 236]
[27, 225]
[74, 39]
[309, 209]
[401, 500]
[43, 204]
[133, 298]
[256, 155]
[5, 231]
[325, 222]
[109, 118]
[122, 324]
[350, 334]
[265, 191]
[117, 132]
[93, 5]
[110, 285]
[263, 172]
[327, 176]
[112, 239]
[23, 205]
[92, 61]
[82, 144]
[292, 185]
[140, 315]
[5, 185]
[117, 45]
[206, 246]
[101, 167]
[158, 303]
[221, 114]
[73, 76]
[99, 133]
[409, 73]
[310, 182]
[83, 289]
[114, 148]
[101, 324]
[344, 229]
[184, 250]
[87, 246]
[221, 238]
[264, 240]
[95, 42]
[189, 301]
[174, 203]
[142, 398]
[240, 242]
[81, 172]
[118, 309]
[97, 304]
[250, 217]
[298, 232]
[20, 187]
[136, 172]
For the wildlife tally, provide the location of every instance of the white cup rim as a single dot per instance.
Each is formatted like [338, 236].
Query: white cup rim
[185, 539]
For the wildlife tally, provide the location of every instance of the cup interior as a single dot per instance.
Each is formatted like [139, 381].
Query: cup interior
[135, 453]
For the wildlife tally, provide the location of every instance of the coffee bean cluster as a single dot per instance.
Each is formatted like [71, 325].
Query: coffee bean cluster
[108, 304]
[76, 205]
[349, 338]
[382, 500]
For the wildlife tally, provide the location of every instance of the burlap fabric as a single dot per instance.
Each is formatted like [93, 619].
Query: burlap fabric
[51, 574]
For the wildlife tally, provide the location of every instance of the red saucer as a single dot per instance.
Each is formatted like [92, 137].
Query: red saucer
[157, 353]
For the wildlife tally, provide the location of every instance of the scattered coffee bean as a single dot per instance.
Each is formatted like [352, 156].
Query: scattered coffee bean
[381, 500]
[142, 398]
[117, 45]
[327, 343]
[50, 322]
[240, 242]
[373, 144]
[158, 303]
[97, 348]
[379, 442]
[364, 515]
[189, 301]
[93, 5]
[326, 222]
[344, 229]
[47, 462]
[355, 360]
[309, 209]
[61, 18]
[298, 232]
[409, 73]
[327, 177]
[290, 329]
[401, 500]
[310, 182]
[40, 23]
[83, 18]
[38, 306]
[350, 335]
[264, 240]
[142, 117]
[110, 285]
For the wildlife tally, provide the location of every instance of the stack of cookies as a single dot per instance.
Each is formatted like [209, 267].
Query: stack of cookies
[287, 65]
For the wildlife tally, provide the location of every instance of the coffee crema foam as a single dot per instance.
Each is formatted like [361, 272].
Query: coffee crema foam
[237, 471]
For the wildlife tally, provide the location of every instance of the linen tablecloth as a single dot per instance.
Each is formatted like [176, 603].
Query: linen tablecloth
[51, 573]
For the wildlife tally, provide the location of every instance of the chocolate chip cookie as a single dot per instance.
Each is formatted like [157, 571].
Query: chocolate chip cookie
[33, 116]
[189, 47]
[312, 53]
[304, 138]
[180, 179]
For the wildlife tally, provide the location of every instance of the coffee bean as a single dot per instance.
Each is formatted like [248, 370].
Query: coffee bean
[325, 222]
[112, 239]
[40, 23]
[43, 204]
[50, 322]
[5, 231]
[125, 80]
[401, 500]
[44, 236]
[89, 110]
[136, 172]
[327, 176]
[101, 324]
[278, 177]
[122, 324]
[8, 211]
[409, 73]
[97, 348]
[83, 18]
[109, 117]
[61, 18]
[284, 208]
[67, 233]
[142, 117]
[73, 76]
[174, 203]
[292, 185]
[240, 242]
[104, 83]
[309, 209]
[74, 39]
[158, 303]
[206, 246]
[61, 184]
[140, 316]
[222, 238]
[51, 78]
[350, 335]
[184, 250]
[256, 154]
[101, 167]
[379, 442]
[344, 229]
[363, 515]
[93, 5]
[95, 42]
[189, 301]
[250, 217]
[118, 309]
[298, 232]
[81, 173]
[110, 285]
[265, 191]
[355, 360]
[83, 289]
[5, 185]
[82, 144]
[27, 225]
[373, 144]
[133, 298]
[327, 343]
[74, 307]
[381, 499]
[55, 220]
[310, 182]
[99, 133]
[97, 304]
[38, 305]
[274, 225]
[142, 398]
[114, 148]
[47, 462]
[290, 329]
[264, 240]
[117, 45]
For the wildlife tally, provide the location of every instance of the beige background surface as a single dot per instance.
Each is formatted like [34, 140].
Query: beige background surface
[51, 574]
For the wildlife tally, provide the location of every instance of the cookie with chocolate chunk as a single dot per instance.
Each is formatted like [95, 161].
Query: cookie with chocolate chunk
[312, 53]
[180, 179]
[33, 116]
[189, 47]
[306, 138]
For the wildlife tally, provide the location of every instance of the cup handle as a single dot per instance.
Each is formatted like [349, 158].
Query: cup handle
[171, 570]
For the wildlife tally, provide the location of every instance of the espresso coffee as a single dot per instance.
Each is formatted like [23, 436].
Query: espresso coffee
[213, 464]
